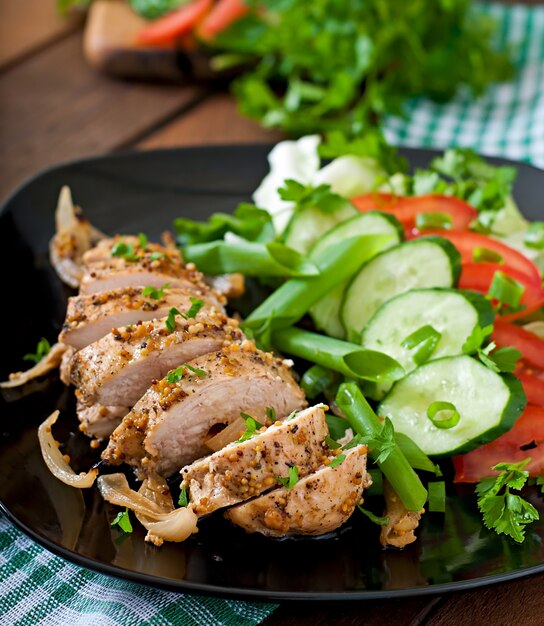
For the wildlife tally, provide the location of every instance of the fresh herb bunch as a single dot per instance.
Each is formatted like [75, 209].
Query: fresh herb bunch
[337, 64]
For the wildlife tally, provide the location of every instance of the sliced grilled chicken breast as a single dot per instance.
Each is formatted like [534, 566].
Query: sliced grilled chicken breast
[99, 421]
[90, 317]
[168, 426]
[246, 469]
[117, 369]
[316, 504]
[137, 267]
[401, 523]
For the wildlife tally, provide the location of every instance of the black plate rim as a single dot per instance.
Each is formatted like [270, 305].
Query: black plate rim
[183, 586]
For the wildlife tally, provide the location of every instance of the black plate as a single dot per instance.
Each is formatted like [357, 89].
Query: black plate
[143, 192]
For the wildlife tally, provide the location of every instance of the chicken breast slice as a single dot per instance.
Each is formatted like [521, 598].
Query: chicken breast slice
[117, 369]
[90, 317]
[99, 421]
[168, 427]
[246, 469]
[315, 505]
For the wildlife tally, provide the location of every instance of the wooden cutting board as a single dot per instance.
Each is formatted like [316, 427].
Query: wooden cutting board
[110, 47]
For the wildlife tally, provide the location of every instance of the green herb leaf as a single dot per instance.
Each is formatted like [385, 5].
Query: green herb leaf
[183, 499]
[502, 360]
[122, 520]
[331, 443]
[426, 340]
[540, 482]
[381, 521]
[337, 426]
[142, 241]
[157, 256]
[270, 413]
[382, 444]
[503, 511]
[476, 339]
[252, 425]
[306, 196]
[196, 305]
[338, 460]
[170, 322]
[176, 375]
[153, 293]
[437, 496]
[443, 415]
[42, 349]
[290, 481]
[534, 237]
[125, 251]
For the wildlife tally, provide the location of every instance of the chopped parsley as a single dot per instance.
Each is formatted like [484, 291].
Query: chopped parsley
[196, 305]
[122, 520]
[476, 338]
[270, 413]
[125, 251]
[171, 319]
[501, 360]
[42, 349]
[183, 499]
[153, 293]
[320, 197]
[381, 521]
[252, 425]
[338, 460]
[176, 375]
[157, 256]
[289, 481]
[504, 512]
[382, 443]
[142, 241]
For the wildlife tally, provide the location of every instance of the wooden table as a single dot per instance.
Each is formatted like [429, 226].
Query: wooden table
[54, 108]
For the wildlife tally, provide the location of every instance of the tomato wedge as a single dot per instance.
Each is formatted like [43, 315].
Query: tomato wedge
[406, 209]
[175, 23]
[533, 387]
[223, 14]
[530, 345]
[375, 201]
[466, 242]
[472, 467]
[479, 276]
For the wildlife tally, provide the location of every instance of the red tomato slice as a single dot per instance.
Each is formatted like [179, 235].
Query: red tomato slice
[175, 23]
[374, 201]
[472, 467]
[533, 387]
[406, 209]
[479, 276]
[466, 242]
[223, 14]
[530, 345]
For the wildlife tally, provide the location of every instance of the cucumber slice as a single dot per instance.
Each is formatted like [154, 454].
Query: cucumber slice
[453, 313]
[425, 262]
[326, 313]
[488, 404]
[307, 225]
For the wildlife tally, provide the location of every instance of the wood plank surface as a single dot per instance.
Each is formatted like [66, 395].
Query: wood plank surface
[54, 108]
[215, 121]
[28, 25]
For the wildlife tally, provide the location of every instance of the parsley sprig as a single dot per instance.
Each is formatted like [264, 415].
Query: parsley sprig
[252, 426]
[183, 499]
[291, 480]
[383, 443]
[122, 520]
[125, 251]
[306, 196]
[504, 512]
[42, 349]
[176, 375]
[153, 292]
[499, 360]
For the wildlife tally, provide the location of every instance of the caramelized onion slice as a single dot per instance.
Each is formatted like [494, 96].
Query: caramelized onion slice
[176, 525]
[55, 461]
[49, 362]
[229, 434]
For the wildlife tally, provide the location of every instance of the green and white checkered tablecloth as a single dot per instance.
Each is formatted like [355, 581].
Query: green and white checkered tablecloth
[37, 587]
[508, 120]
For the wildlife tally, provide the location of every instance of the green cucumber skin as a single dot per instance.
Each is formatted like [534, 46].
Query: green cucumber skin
[451, 252]
[513, 409]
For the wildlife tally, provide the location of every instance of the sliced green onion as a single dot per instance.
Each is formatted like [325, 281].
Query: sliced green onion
[506, 290]
[437, 497]
[426, 340]
[249, 258]
[316, 380]
[430, 221]
[337, 426]
[395, 467]
[331, 443]
[485, 255]
[443, 414]
[415, 455]
[295, 298]
[347, 358]
[338, 460]
[534, 237]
